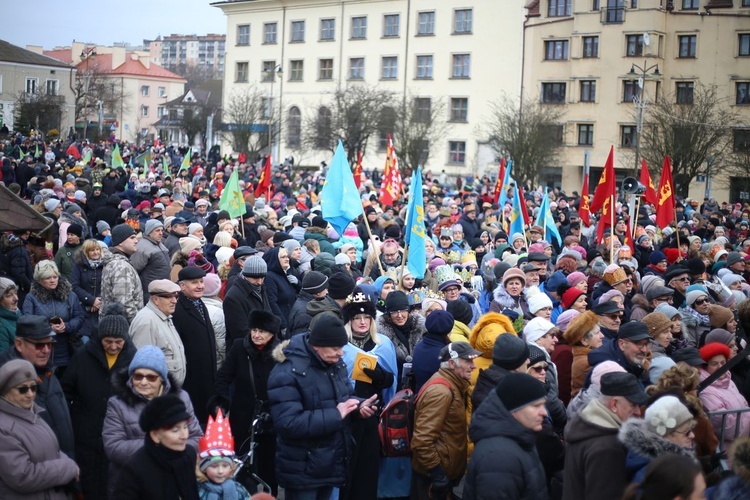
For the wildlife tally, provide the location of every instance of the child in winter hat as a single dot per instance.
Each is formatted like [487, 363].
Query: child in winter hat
[216, 463]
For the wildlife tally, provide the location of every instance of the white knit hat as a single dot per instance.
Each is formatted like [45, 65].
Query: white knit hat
[537, 328]
[539, 301]
[666, 414]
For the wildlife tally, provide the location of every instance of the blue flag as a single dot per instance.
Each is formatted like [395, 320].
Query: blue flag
[516, 215]
[545, 220]
[339, 198]
[504, 189]
[415, 229]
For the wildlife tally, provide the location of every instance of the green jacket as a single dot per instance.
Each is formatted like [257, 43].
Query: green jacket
[7, 328]
[65, 258]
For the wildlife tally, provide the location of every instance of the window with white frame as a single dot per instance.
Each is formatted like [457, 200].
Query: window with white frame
[462, 21]
[389, 68]
[53, 87]
[31, 85]
[424, 67]
[426, 24]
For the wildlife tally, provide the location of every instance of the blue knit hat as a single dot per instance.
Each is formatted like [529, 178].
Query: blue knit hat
[554, 281]
[149, 357]
[656, 257]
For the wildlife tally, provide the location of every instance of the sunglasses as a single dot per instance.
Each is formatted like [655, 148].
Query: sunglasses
[41, 345]
[614, 317]
[539, 369]
[138, 377]
[23, 389]
[700, 302]
[684, 278]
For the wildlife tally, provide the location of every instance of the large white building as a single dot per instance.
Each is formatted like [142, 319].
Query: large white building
[466, 53]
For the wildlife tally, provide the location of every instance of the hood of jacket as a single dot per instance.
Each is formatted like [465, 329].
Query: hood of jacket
[272, 259]
[594, 421]
[325, 304]
[639, 300]
[492, 419]
[487, 329]
[640, 441]
[10, 240]
[60, 293]
[503, 298]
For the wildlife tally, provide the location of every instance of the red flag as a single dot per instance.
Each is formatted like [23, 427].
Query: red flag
[499, 183]
[606, 186]
[358, 170]
[665, 202]
[650, 194]
[605, 221]
[583, 210]
[73, 151]
[390, 188]
[524, 210]
[628, 237]
[264, 184]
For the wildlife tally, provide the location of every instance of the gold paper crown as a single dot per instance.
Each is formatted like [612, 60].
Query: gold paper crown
[464, 275]
[446, 231]
[469, 256]
[453, 257]
[392, 274]
[617, 276]
[444, 274]
[416, 296]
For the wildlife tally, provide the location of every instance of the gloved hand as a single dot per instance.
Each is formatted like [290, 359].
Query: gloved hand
[292, 279]
[380, 378]
[440, 485]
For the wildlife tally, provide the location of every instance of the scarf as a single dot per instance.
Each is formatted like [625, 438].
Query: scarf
[360, 341]
[95, 264]
[225, 491]
[701, 318]
[403, 332]
[179, 464]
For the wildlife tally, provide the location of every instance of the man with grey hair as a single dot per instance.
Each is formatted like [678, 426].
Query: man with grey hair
[151, 258]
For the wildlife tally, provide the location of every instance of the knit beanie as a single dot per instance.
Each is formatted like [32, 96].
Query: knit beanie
[211, 285]
[536, 355]
[719, 335]
[656, 257]
[576, 277]
[602, 369]
[658, 366]
[102, 226]
[537, 328]
[163, 412]
[290, 245]
[693, 295]
[254, 267]
[570, 296]
[609, 295]
[319, 221]
[113, 323]
[733, 258]
[5, 285]
[149, 357]
[188, 244]
[328, 331]
[518, 390]
[76, 229]
[461, 311]
[314, 282]
[397, 301]
[667, 310]
[666, 414]
[657, 323]
[120, 233]
[342, 259]
[427, 302]
[340, 286]
[51, 204]
[265, 234]
[150, 226]
[563, 321]
[554, 281]
[509, 351]
[438, 322]
[539, 301]
[719, 316]
[708, 351]
[73, 208]
[650, 281]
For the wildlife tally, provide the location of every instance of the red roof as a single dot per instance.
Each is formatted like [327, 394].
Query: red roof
[62, 55]
[103, 64]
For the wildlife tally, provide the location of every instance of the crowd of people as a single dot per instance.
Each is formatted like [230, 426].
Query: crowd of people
[148, 339]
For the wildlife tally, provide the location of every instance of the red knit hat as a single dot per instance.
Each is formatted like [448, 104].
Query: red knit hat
[569, 296]
[708, 351]
[672, 254]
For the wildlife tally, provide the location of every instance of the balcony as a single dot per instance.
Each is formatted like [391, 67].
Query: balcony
[613, 15]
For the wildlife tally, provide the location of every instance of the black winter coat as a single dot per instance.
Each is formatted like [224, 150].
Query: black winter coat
[87, 387]
[299, 319]
[15, 262]
[281, 293]
[235, 273]
[238, 303]
[199, 340]
[519, 474]
[314, 442]
[487, 380]
[87, 285]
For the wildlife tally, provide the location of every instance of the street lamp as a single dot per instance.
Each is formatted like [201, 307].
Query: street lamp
[270, 75]
[87, 54]
[640, 102]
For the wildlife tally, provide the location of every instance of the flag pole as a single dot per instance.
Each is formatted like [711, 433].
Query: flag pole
[612, 230]
[372, 242]
[633, 226]
[677, 227]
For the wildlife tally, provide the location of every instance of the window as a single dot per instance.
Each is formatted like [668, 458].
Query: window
[267, 107]
[688, 44]
[742, 140]
[585, 134]
[357, 68]
[386, 124]
[267, 71]
[422, 109]
[588, 90]
[144, 111]
[459, 109]
[162, 91]
[144, 90]
[628, 136]
[359, 28]
[630, 90]
[746, 3]
[685, 92]
[327, 29]
[389, 69]
[690, 4]
[53, 87]
[556, 50]
[744, 49]
[161, 111]
[743, 93]
[615, 11]
[390, 25]
[426, 24]
[424, 67]
[243, 34]
[269, 33]
[241, 72]
[323, 128]
[634, 45]
[461, 66]
[296, 70]
[457, 152]
[591, 46]
[294, 127]
[558, 8]
[31, 85]
[554, 133]
[553, 93]
[298, 31]
[462, 21]
[325, 69]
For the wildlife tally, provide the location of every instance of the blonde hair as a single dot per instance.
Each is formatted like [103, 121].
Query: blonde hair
[45, 269]
[373, 331]
[88, 246]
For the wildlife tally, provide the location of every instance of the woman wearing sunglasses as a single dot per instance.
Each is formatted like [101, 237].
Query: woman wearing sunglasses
[695, 319]
[31, 445]
[145, 379]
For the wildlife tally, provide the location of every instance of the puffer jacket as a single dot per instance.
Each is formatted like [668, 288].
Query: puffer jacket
[32, 467]
[16, 263]
[281, 293]
[8, 320]
[440, 427]
[404, 345]
[87, 285]
[151, 262]
[60, 302]
[121, 434]
[314, 442]
[120, 283]
[724, 395]
[519, 474]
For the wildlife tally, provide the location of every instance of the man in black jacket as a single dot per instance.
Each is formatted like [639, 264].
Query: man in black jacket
[314, 286]
[247, 295]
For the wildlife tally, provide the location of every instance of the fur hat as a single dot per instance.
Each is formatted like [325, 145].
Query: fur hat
[264, 320]
[163, 412]
[708, 351]
[657, 323]
[357, 303]
[580, 326]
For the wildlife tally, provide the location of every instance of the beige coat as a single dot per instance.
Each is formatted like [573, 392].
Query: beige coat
[152, 327]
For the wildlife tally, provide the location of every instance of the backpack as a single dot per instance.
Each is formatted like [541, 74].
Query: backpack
[396, 425]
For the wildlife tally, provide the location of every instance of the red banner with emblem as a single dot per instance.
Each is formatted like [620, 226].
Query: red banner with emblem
[650, 194]
[390, 189]
[583, 209]
[499, 183]
[264, 184]
[358, 170]
[666, 201]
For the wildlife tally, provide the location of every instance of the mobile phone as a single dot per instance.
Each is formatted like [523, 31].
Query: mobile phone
[56, 320]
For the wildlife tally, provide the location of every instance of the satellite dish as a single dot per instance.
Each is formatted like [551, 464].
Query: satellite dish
[646, 39]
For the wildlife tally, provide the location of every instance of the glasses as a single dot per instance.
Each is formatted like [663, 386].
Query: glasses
[452, 289]
[665, 299]
[614, 317]
[23, 389]
[363, 317]
[684, 278]
[41, 345]
[390, 255]
[403, 312]
[700, 302]
[640, 346]
[686, 433]
[539, 369]
[167, 295]
[138, 377]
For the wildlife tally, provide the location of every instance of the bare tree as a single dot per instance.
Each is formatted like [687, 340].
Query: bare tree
[690, 133]
[529, 132]
[40, 111]
[416, 125]
[245, 110]
[351, 115]
[94, 88]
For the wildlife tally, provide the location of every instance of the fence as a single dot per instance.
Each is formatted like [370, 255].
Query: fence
[724, 414]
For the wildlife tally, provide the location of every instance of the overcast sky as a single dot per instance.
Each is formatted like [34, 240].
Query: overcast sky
[48, 23]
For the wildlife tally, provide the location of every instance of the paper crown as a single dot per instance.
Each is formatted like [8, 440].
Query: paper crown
[464, 275]
[470, 256]
[392, 274]
[419, 295]
[445, 274]
[358, 298]
[446, 232]
[218, 440]
[453, 257]
[616, 276]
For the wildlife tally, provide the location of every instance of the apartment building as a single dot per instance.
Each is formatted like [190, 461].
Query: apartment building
[466, 53]
[579, 55]
[176, 52]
